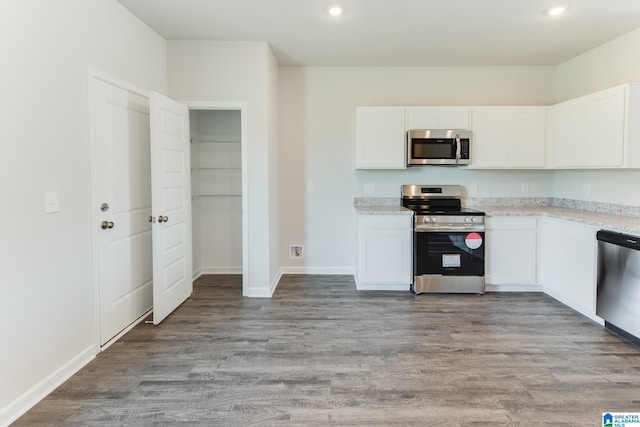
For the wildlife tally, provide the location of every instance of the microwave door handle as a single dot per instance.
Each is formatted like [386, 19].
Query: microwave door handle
[458, 148]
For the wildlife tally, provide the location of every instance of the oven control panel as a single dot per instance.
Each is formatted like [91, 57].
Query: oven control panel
[452, 223]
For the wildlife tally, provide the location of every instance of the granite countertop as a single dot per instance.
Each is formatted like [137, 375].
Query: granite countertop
[380, 206]
[571, 211]
[383, 210]
[619, 223]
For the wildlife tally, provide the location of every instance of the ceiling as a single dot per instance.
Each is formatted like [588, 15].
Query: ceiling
[398, 32]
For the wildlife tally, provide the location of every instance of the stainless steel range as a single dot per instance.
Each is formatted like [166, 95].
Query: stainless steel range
[448, 240]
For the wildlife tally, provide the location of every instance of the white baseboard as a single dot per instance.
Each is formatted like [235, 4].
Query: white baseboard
[275, 281]
[38, 392]
[318, 270]
[512, 288]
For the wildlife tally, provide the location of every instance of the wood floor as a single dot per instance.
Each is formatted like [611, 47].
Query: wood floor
[321, 353]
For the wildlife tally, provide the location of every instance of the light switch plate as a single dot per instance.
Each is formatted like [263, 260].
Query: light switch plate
[51, 203]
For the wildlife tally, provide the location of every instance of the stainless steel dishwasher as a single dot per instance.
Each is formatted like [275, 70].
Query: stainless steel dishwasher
[618, 294]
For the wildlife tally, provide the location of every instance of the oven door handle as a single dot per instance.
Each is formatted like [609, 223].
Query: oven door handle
[444, 228]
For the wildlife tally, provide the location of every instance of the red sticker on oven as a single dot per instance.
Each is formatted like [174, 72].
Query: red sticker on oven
[473, 240]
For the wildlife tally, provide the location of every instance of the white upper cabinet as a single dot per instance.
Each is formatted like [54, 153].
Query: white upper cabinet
[438, 118]
[508, 137]
[589, 132]
[380, 136]
[600, 130]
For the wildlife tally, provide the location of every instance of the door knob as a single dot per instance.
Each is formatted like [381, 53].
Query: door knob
[106, 224]
[152, 219]
[163, 218]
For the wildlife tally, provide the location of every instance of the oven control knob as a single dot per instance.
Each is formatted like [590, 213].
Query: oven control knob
[434, 219]
[467, 219]
[475, 219]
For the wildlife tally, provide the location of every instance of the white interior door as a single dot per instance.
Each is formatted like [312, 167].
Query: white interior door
[171, 199]
[122, 199]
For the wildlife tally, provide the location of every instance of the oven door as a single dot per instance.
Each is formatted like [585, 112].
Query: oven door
[449, 261]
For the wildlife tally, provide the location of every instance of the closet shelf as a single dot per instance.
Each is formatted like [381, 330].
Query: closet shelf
[216, 139]
[216, 195]
[217, 168]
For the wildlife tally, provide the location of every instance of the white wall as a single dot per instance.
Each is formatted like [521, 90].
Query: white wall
[238, 72]
[273, 86]
[317, 145]
[47, 294]
[611, 64]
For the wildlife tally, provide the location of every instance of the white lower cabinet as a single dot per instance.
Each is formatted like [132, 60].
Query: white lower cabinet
[568, 264]
[511, 253]
[384, 252]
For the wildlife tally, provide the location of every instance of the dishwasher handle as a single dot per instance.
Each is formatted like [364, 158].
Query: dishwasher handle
[619, 239]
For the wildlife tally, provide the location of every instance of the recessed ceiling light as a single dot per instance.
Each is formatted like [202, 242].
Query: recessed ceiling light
[557, 10]
[335, 11]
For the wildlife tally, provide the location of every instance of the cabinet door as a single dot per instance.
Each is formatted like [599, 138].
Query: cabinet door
[384, 252]
[509, 137]
[438, 118]
[512, 250]
[604, 129]
[422, 118]
[527, 137]
[490, 137]
[380, 138]
[568, 264]
[568, 134]
[454, 118]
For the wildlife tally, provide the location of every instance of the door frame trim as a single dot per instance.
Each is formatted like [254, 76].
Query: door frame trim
[242, 107]
[94, 74]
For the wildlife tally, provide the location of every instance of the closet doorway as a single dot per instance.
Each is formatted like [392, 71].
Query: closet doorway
[217, 188]
[143, 208]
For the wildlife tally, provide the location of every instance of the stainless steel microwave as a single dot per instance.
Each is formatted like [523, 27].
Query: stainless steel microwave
[438, 147]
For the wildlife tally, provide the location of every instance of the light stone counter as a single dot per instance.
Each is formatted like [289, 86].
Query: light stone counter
[620, 218]
[380, 206]
[619, 223]
[383, 210]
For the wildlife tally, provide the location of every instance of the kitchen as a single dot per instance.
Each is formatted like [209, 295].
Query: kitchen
[316, 143]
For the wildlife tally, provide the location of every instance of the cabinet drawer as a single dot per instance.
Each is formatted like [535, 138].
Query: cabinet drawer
[385, 221]
[511, 223]
[578, 233]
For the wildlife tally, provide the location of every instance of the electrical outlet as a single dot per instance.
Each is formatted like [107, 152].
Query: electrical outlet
[296, 251]
[473, 188]
[524, 188]
[369, 188]
[310, 187]
[586, 189]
